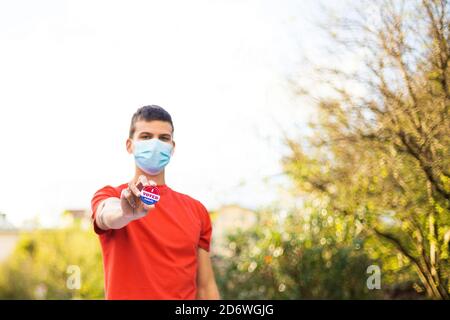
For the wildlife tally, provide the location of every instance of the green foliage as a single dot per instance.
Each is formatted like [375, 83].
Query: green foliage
[38, 268]
[309, 254]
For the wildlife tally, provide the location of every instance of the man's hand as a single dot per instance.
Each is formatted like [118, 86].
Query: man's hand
[115, 213]
[130, 201]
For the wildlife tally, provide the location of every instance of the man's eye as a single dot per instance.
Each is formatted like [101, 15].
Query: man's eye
[146, 137]
[164, 139]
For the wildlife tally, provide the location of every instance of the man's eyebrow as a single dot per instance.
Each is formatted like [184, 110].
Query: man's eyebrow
[151, 134]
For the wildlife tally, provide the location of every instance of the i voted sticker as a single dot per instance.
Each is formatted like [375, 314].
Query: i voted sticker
[150, 195]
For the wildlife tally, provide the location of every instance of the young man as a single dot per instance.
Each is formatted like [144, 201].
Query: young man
[158, 251]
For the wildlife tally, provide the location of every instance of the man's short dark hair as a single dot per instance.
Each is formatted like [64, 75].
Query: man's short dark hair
[149, 113]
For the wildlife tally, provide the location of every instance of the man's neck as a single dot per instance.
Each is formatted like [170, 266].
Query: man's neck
[159, 179]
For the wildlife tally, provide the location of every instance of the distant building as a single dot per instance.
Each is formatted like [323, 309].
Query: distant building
[74, 216]
[226, 220]
[8, 237]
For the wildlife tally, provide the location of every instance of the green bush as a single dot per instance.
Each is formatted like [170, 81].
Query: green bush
[39, 266]
[312, 255]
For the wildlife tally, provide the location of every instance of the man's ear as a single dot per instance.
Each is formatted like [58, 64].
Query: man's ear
[173, 149]
[129, 145]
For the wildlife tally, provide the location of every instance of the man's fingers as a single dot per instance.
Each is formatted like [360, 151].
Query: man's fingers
[143, 180]
[126, 193]
[134, 189]
[145, 208]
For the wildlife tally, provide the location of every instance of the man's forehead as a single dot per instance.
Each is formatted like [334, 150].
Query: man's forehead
[154, 126]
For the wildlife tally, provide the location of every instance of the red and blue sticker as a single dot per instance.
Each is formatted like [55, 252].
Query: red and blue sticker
[150, 195]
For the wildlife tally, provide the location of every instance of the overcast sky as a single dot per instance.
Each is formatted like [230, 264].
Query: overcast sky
[73, 72]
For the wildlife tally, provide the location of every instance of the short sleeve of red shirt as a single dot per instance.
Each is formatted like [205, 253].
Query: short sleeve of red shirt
[102, 194]
[205, 234]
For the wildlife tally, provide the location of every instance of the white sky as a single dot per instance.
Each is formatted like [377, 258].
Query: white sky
[73, 72]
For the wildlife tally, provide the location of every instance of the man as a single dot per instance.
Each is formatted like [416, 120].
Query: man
[158, 251]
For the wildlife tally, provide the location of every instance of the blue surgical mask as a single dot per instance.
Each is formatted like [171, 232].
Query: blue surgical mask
[152, 155]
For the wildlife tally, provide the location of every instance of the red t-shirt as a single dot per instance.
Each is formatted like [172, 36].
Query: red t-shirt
[154, 257]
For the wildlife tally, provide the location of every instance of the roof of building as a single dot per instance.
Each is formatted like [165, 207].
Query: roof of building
[5, 225]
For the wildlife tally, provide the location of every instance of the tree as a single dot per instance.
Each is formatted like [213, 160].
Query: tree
[383, 156]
